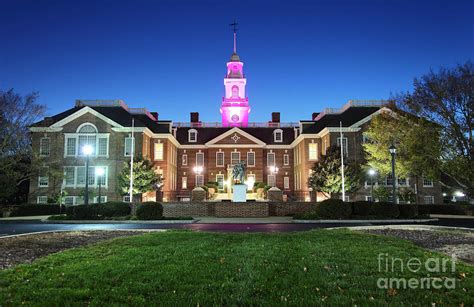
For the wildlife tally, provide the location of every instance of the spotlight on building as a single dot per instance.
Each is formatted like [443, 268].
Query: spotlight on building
[459, 194]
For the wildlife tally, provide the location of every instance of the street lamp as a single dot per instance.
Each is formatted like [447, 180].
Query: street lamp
[393, 152]
[87, 150]
[372, 173]
[100, 172]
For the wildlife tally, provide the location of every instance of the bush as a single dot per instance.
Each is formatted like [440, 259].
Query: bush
[333, 209]
[267, 187]
[408, 211]
[385, 210]
[362, 208]
[34, 209]
[149, 211]
[113, 209]
[444, 209]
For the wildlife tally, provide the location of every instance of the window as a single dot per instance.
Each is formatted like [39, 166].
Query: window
[220, 181]
[250, 181]
[192, 135]
[184, 159]
[271, 180]
[69, 175]
[427, 182]
[87, 128]
[75, 176]
[368, 198]
[250, 158]
[70, 146]
[43, 181]
[103, 199]
[278, 136]
[44, 147]
[103, 146]
[219, 158]
[389, 180]
[271, 159]
[286, 159]
[128, 147]
[402, 182]
[69, 200]
[313, 151]
[91, 175]
[286, 183]
[199, 159]
[234, 157]
[325, 147]
[84, 140]
[42, 200]
[184, 183]
[199, 180]
[81, 175]
[428, 199]
[346, 198]
[126, 198]
[158, 151]
[344, 145]
[235, 91]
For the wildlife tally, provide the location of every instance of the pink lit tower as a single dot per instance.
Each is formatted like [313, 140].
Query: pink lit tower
[235, 107]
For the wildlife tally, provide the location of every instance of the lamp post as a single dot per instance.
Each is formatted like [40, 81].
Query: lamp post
[87, 150]
[274, 170]
[393, 152]
[372, 173]
[100, 171]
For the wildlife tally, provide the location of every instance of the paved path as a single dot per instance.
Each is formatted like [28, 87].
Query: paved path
[11, 228]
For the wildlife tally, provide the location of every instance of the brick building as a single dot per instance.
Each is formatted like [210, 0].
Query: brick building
[193, 153]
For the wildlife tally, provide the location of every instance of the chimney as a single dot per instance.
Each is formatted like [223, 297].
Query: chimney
[155, 115]
[194, 117]
[275, 117]
[314, 115]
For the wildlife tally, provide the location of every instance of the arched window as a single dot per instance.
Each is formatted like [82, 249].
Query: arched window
[87, 128]
[278, 135]
[192, 135]
[235, 91]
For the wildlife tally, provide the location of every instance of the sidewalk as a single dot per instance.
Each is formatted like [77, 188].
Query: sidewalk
[451, 216]
[25, 218]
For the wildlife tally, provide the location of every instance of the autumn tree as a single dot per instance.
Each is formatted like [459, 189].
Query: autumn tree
[446, 98]
[145, 178]
[326, 174]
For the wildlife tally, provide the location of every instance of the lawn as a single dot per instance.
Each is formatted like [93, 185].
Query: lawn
[202, 269]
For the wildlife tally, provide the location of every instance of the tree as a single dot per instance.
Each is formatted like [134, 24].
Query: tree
[416, 139]
[17, 161]
[145, 178]
[326, 174]
[447, 98]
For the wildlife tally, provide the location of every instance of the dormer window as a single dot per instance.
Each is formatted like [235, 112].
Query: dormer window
[278, 136]
[192, 135]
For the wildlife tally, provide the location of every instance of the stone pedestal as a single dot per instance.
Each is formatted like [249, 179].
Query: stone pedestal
[198, 194]
[275, 194]
[240, 193]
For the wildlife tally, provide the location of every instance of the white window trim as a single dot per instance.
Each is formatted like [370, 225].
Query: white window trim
[286, 159]
[275, 133]
[41, 146]
[248, 164]
[39, 181]
[315, 150]
[199, 176]
[274, 158]
[76, 185]
[162, 151]
[96, 199]
[73, 200]
[184, 158]
[368, 198]
[184, 183]
[345, 145]
[198, 154]
[223, 181]
[286, 182]
[427, 185]
[233, 153]
[430, 197]
[76, 149]
[40, 202]
[223, 159]
[125, 146]
[126, 198]
[274, 179]
[190, 132]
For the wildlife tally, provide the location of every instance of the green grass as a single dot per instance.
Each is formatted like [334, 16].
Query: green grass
[191, 268]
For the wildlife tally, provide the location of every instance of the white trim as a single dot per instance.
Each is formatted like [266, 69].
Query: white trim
[274, 158]
[46, 179]
[231, 131]
[233, 153]
[41, 203]
[254, 159]
[189, 135]
[203, 159]
[288, 159]
[286, 183]
[41, 146]
[81, 112]
[162, 151]
[182, 159]
[368, 118]
[87, 124]
[45, 129]
[275, 132]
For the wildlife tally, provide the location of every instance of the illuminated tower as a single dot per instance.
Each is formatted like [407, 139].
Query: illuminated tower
[235, 107]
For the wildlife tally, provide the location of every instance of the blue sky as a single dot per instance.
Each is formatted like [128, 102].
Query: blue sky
[169, 56]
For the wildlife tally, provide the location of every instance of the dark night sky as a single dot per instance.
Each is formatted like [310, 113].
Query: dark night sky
[169, 56]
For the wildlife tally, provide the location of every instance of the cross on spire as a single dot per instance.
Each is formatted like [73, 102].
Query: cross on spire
[234, 27]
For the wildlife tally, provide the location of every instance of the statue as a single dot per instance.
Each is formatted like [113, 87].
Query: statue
[238, 172]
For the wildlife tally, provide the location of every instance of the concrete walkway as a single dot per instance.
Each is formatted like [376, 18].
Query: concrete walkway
[25, 218]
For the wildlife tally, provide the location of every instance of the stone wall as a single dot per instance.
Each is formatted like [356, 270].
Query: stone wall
[290, 208]
[250, 209]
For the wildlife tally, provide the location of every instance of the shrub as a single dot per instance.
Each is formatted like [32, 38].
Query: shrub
[83, 212]
[408, 211]
[333, 209]
[362, 208]
[113, 209]
[34, 209]
[385, 210]
[267, 187]
[149, 211]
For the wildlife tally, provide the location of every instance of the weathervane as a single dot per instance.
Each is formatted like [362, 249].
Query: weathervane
[234, 26]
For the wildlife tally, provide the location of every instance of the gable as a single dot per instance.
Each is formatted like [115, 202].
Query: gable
[88, 112]
[236, 136]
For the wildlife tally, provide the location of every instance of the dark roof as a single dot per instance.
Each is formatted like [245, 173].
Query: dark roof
[206, 134]
[118, 114]
[349, 117]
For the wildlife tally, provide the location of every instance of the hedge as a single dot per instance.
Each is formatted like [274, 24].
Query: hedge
[98, 211]
[33, 209]
[149, 211]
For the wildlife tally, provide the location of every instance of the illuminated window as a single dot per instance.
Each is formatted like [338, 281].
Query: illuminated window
[158, 151]
[184, 183]
[313, 151]
[220, 181]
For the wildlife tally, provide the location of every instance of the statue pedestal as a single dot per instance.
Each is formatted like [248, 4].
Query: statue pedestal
[240, 193]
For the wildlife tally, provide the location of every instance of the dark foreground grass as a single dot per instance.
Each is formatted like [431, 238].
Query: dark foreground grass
[201, 269]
